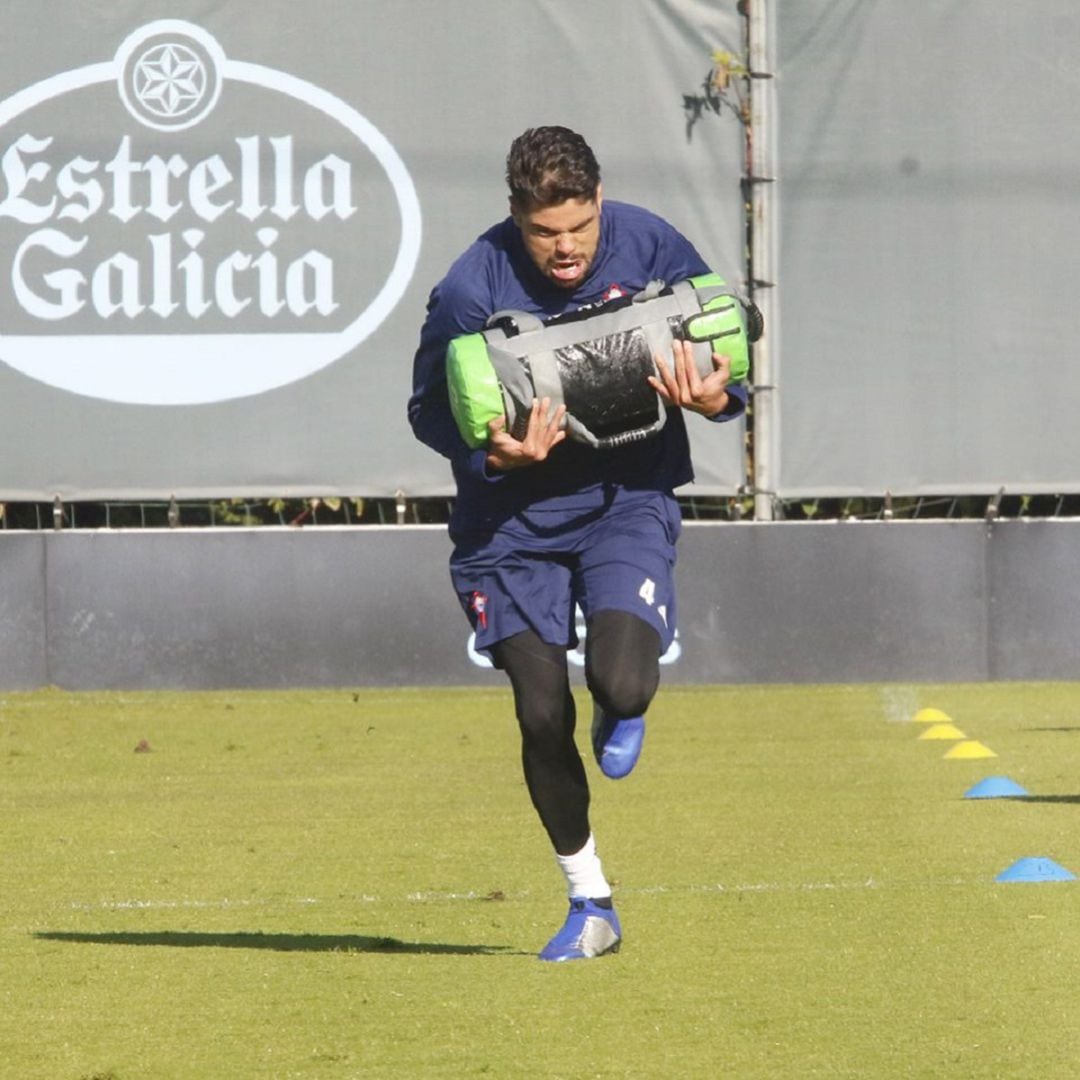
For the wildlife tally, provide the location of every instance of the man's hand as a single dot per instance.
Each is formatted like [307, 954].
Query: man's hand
[685, 387]
[542, 433]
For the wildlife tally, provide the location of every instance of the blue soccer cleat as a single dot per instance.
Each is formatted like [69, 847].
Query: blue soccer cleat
[616, 743]
[590, 930]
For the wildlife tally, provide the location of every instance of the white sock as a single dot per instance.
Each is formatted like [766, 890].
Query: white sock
[584, 874]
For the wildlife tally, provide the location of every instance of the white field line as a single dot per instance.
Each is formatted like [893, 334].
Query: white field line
[431, 897]
[168, 905]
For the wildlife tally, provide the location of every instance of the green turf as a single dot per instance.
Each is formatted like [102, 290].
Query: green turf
[352, 884]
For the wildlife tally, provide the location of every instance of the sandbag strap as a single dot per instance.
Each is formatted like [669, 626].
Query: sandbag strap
[522, 321]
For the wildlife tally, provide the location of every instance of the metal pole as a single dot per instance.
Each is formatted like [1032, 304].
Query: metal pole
[762, 242]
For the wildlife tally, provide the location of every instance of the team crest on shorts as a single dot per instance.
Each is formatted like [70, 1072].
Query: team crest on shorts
[478, 605]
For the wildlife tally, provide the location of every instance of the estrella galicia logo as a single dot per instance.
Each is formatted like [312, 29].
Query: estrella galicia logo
[178, 227]
[169, 75]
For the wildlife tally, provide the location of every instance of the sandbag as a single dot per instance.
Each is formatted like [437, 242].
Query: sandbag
[596, 361]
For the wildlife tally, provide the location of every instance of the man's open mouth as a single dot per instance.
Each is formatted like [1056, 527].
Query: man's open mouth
[566, 271]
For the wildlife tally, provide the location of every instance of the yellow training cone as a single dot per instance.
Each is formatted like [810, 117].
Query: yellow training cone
[970, 749]
[931, 716]
[942, 731]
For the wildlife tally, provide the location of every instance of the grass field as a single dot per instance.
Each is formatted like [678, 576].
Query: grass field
[352, 884]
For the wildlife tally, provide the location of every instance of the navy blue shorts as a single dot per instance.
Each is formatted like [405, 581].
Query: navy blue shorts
[534, 569]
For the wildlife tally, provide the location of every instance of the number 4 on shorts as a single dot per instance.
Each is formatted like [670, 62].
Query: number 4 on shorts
[647, 592]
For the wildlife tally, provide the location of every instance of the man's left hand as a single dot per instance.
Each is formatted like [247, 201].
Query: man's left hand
[682, 384]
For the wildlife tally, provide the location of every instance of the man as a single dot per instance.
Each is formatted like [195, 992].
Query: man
[542, 525]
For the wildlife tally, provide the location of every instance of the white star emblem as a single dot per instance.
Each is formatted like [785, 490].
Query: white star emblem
[170, 80]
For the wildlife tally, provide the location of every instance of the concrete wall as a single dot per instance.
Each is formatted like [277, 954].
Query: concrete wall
[759, 603]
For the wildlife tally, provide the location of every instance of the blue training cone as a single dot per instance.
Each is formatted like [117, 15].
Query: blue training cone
[1035, 870]
[994, 787]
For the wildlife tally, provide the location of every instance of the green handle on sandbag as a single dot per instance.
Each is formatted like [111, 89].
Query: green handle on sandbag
[475, 394]
[722, 323]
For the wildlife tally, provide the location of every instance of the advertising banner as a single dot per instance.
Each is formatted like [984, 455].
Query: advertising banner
[219, 224]
[927, 247]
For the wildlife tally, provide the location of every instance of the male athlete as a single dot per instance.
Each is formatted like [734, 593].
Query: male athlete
[542, 525]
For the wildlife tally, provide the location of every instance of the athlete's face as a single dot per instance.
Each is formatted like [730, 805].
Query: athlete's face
[561, 239]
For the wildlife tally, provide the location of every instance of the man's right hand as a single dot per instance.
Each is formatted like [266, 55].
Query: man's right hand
[541, 434]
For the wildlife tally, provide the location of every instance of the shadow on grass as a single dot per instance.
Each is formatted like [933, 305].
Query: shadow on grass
[1068, 729]
[346, 943]
[1073, 799]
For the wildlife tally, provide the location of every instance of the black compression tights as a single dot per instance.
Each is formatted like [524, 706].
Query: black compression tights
[622, 671]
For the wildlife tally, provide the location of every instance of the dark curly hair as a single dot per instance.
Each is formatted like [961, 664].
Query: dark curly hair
[548, 165]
